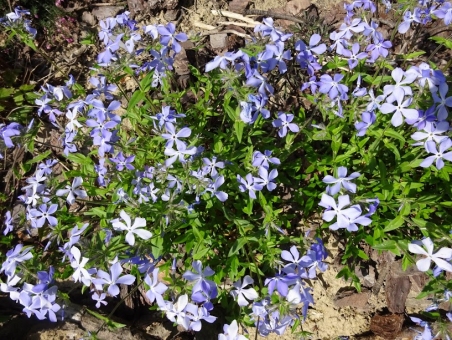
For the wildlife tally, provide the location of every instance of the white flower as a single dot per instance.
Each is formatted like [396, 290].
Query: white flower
[240, 294]
[132, 229]
[230, 332]
[176, 312]
[439, 257]
[80, 274]
[73, 122]
[72, 191]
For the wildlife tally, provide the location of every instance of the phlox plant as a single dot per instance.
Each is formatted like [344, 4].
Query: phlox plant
[194, 193]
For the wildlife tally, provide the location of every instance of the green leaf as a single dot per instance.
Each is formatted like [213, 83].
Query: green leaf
[238, 128]
[79, 159]
[233, 263]
[146, 82]
[321, 135]
[39, 157]
[394, 134]
[443, 41]
[394, 224]
[238, 244]
[416, 163]
[386, 245]
[136, 98]
[413, 55]
[6, 92]
[336, 142]
[112, 325]
[96, 211]
[394, 149]
[200, 254]
[231, 112]
[197, 233]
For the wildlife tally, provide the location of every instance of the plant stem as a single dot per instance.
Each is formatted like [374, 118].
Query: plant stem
[117, 306]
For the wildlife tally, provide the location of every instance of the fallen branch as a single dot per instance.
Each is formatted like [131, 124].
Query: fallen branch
[235, 16]
[274, 15]
[241, 24]
[203, 25]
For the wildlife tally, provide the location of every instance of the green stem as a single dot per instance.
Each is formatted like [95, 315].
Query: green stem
[117, 306]
[248, 252]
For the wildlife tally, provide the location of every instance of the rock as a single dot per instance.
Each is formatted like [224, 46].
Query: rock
[154, 4]
[366, 275]
[170, 4]
[88, 18]
[349, 297]
[238, 6]
[397, 283]
[397, 289]
[104, 12]
[171, 14]
[219, 41]
[387, 326]
[295, 7]
[136, 6]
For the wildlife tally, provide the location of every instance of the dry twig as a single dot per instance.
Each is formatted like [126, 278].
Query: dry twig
[274, 15]
[233, 15]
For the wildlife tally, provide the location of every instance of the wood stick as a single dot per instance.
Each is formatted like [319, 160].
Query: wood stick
[241, 24]
[233, 15]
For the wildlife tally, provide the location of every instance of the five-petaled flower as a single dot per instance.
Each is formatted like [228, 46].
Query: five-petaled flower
[73, 191]
[284, 122]
[135, 228]
[441, 258]
[342, 180]
[241, 294]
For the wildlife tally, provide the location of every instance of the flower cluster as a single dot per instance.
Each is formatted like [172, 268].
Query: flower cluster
[160, 179]
[266, 177]
[289, 286]
[346, 218]
[17, 19]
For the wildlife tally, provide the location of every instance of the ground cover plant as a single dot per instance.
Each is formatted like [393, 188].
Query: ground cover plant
[183, 190]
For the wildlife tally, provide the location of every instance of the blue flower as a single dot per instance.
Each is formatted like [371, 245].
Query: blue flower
[438, 154]
[266, 178]
[249, 185]
[332, 87]
[342, 181]
[284, 122]
[368, 118]
[353, 55]
[8, 223]
[346, 218]
[263, 159]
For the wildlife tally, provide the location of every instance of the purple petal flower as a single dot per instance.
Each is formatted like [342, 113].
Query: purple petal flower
[400, 110]
[342, 181]
[368, 118]
[438, 155]
[284, 123]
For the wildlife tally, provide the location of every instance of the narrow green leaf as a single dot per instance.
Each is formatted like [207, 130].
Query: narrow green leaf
[386, 245]
[110, 323]
[394, 224]
[238, 128]
[238, 244]
[136, 98]
[39, 158]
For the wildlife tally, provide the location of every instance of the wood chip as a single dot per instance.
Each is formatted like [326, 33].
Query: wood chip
[387, 326]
